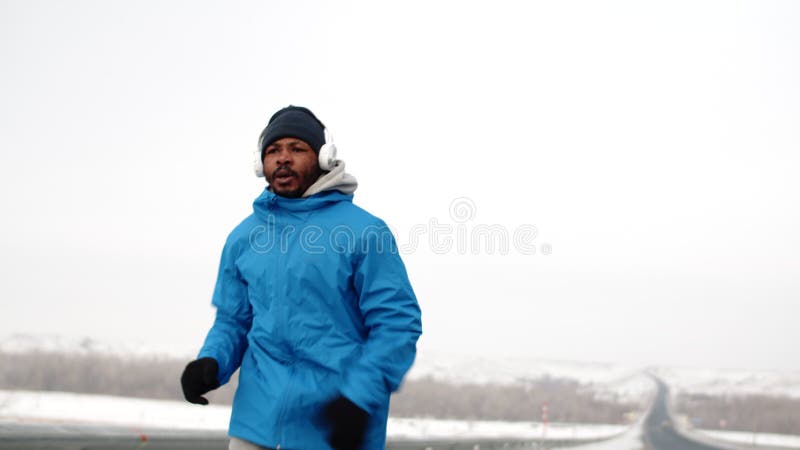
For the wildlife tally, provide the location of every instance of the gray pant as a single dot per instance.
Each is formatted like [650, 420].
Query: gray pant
[241, 444]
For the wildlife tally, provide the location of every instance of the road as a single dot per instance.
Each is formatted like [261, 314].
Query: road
[76, 437]
[659, 430]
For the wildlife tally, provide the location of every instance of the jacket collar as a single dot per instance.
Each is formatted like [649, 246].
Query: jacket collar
[268, 201]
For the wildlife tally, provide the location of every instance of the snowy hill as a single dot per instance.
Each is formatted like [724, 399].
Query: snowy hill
[50, 343]
[727, 381]
[626, 382]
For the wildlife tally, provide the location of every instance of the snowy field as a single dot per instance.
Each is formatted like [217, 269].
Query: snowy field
[26, 407]
[628, 440]
[754, 439]
[82, 409]
[624, 382]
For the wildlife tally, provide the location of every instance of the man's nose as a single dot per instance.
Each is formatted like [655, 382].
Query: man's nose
[284, 156]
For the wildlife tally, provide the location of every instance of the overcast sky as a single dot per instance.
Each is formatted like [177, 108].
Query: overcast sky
[653, 146]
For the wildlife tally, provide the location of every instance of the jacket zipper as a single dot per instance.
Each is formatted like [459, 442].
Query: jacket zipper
[276, 288]
[282, 411]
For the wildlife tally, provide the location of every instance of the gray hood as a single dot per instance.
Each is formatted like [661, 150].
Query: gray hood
[335, 179]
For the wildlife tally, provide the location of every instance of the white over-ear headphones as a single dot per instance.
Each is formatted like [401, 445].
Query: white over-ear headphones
[327, 156]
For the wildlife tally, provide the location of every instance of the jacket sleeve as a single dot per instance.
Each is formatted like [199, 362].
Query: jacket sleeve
[227, 340]
[391, 317]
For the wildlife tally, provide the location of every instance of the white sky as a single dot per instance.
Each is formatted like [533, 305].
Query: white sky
[653, 145]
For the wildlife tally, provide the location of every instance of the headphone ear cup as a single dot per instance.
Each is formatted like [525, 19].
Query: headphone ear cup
[327, 157]
[258, 164]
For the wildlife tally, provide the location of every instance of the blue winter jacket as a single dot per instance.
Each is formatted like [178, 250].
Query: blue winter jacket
[313, 301]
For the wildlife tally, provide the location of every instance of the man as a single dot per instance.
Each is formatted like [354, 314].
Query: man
[313, 302]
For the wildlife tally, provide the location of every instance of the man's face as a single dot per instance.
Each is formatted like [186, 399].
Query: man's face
[290, 166]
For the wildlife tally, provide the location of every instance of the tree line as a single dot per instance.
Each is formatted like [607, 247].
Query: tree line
[159, 378]
[757, 413]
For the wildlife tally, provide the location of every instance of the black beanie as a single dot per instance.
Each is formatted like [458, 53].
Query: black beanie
[296, 122]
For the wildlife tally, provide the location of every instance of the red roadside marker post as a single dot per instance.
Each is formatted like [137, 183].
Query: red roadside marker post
[544, 426]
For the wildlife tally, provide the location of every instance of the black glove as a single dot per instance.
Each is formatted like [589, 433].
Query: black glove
[199, 377]
[349, 422]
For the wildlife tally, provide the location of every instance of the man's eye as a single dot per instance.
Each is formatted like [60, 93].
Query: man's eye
[271, 150]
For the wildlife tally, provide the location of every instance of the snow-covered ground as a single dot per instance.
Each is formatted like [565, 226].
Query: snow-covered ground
[83, 409]
[399, 428]
[69, 408]
[754, 439]
[26, 407]
[624, 382]
[629, 440]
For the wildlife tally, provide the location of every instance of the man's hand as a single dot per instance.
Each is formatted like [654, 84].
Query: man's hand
[349, 424]
[199, 377]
